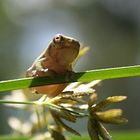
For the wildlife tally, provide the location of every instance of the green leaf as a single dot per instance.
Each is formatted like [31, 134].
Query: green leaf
[86, 76]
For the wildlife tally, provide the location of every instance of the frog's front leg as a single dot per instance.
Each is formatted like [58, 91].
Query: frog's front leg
[36, 69]
[31, 72]
[40, 73]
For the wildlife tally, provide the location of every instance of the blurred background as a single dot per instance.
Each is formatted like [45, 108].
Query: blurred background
[111, 28]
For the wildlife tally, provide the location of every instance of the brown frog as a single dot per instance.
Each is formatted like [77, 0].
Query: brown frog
[56, 59]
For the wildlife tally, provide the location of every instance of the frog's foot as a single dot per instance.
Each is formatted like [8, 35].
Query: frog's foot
[46, 72]
[30, 73]
[40, 73]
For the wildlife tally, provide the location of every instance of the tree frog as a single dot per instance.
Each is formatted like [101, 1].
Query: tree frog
[56, 59]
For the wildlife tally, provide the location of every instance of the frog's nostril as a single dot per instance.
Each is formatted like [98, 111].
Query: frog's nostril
[57, 38]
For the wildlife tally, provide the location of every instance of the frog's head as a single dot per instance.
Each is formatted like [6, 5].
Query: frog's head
[64, 49]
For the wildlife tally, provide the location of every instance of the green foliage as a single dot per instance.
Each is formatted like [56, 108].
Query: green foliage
[86, 76]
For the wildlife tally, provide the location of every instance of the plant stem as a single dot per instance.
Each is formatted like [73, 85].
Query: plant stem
[86, 76]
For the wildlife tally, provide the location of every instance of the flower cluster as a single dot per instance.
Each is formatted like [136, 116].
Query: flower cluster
[97, 116]
[78, 100]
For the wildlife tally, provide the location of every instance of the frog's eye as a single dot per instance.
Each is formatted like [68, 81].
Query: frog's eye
[57, 38]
